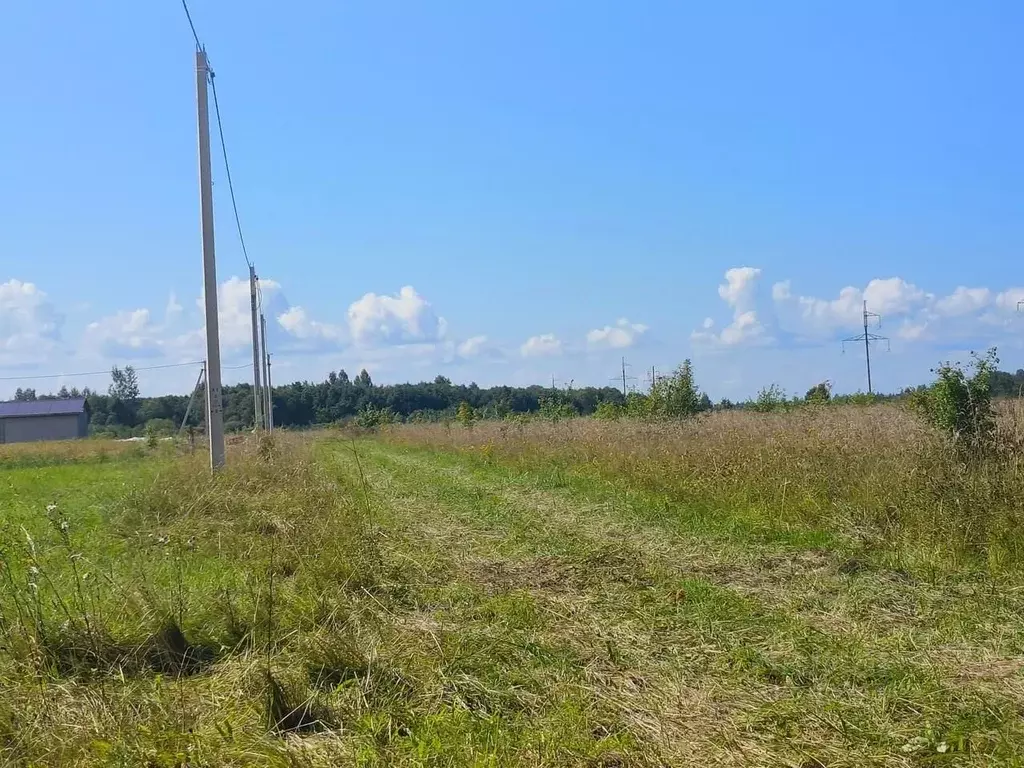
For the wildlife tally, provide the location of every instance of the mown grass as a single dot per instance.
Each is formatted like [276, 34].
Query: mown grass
[877, 476]
[742, 591]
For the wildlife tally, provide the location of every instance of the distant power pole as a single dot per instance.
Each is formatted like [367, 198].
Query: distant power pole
[214, 403]
[623, 376]
[867, 338]
[267, 401]
[270, 399]
[257, 392]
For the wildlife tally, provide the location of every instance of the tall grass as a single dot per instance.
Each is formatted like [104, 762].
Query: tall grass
[876, 475]
[184, 608]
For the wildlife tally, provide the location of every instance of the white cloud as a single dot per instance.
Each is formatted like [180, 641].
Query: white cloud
[29, 324]
[234, 311]
[173, 309]
[739, 291]
[622, 334]
[975, 314]
[297, 322]
[406, 317]
[128, 333]
[810, 316]
[738, 288]
[472, 347]
[544, 345]
[781, 291]
[1009, 300]
[744, 328]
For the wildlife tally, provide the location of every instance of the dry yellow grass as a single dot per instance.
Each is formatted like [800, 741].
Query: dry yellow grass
[875, 473]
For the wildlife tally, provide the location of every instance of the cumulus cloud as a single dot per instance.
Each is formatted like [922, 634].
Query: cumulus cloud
[619, 336]
[297, 322]
[128, 333]
[472, 347]
[969, 314]
[404, 318]
[234, 312]
[963, 301]
[738, 288]
[173, 309]
[29, 323]
[544, 345]
[739, 292]
[811, 316]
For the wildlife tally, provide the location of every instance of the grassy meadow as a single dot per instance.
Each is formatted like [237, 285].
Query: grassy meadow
[826, 587]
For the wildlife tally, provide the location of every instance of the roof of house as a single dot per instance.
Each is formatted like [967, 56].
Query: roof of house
[42, 407]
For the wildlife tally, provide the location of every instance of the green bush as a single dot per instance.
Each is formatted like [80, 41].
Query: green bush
[608, 411]
[675, 396]
[959, 403]
[820, 393]
[769, 399]
[556, 409]
[465, 415]
[372, 417]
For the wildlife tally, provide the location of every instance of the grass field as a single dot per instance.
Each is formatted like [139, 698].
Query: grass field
[823, 588]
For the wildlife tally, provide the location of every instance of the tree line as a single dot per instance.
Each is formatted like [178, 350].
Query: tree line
[121, 411]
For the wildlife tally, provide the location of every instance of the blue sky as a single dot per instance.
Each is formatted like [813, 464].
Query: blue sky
[503, 192]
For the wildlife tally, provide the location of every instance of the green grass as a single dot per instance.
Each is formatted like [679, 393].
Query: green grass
[325, 602]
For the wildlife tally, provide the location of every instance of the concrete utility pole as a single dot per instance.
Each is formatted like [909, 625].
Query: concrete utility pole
[257, 392]
[623, 377]
[214, 402]
[268, 403]
[867, 338]
[270, 399]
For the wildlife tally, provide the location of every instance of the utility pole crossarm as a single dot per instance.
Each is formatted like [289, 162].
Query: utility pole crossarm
[867, 337]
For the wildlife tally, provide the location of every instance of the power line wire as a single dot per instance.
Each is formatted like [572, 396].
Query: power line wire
[193, 26]
[220, 132]
[97, 373]
[107, 372]
[227, 167]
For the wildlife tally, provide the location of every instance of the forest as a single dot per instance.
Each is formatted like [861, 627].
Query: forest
[121, 411]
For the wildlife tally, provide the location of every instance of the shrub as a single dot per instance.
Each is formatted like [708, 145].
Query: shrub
[820, 393]
[465, 415]
[959, 403]
[608, 411]
[675, 396]
[769, 399]
[554, 409]
[372, 417]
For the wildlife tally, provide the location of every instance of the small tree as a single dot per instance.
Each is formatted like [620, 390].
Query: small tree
[465, 415]
[124, 384]
[608, 411]
[556, 408]
[959, 403]
[676, 396]
[820, 393]
[770, 398]
[372, 417]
